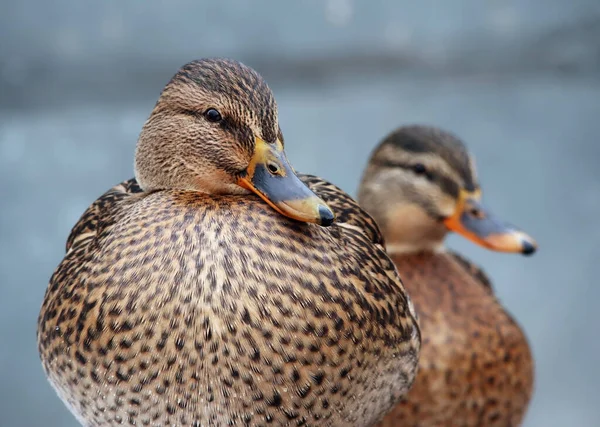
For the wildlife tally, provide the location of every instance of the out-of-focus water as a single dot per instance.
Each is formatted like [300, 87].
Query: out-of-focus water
[519, 81]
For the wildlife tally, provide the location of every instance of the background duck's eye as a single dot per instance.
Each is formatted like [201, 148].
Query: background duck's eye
[213, 115]
[419, 169]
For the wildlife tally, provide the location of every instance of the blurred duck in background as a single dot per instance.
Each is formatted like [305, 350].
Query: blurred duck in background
[476, 367]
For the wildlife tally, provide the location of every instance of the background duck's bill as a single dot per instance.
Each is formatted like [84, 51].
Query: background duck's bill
[487, 230]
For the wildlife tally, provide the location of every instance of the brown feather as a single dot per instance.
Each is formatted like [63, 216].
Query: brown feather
[195, 303]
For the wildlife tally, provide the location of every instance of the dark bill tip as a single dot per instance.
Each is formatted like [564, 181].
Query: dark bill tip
[528, 248]
[326, 215]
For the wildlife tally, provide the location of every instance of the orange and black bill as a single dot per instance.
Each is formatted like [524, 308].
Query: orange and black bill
[473, 221]
[271, 176]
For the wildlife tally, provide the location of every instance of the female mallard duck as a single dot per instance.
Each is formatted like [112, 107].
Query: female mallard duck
[203, 292]
[475, 366]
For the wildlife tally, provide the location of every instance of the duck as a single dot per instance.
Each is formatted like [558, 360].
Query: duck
[476, 366]
[220, 287]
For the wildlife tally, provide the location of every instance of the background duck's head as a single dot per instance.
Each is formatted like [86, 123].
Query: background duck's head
[421, 183]
[215, 130]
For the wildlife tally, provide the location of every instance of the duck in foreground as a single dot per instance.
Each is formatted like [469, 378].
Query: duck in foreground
[475, 367]
[216, 288]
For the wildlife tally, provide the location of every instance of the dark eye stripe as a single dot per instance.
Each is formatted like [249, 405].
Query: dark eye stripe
[447, 185]
[408, 166]
[419, 169]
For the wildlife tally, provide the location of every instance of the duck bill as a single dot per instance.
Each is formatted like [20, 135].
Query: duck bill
[473, 221]
[271, 176]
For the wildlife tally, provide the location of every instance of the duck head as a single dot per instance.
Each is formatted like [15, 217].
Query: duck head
[214, 129]
[420, 184]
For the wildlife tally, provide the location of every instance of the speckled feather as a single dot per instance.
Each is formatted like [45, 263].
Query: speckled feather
[475, 367]
[179, 308]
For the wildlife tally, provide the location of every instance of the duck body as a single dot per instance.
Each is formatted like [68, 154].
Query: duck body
[177, 308]
[218, 287]
[476, 368]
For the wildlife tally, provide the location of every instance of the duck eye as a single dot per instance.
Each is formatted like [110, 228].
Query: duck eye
[419, 169]
[273, 168]
[213, 115]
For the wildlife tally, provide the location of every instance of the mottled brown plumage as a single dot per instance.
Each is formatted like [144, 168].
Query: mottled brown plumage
[475, 367]
[189, 301]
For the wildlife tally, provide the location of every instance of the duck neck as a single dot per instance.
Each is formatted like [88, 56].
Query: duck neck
[408, 229]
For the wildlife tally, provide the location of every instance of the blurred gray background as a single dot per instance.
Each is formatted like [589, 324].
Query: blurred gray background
[518, 80]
